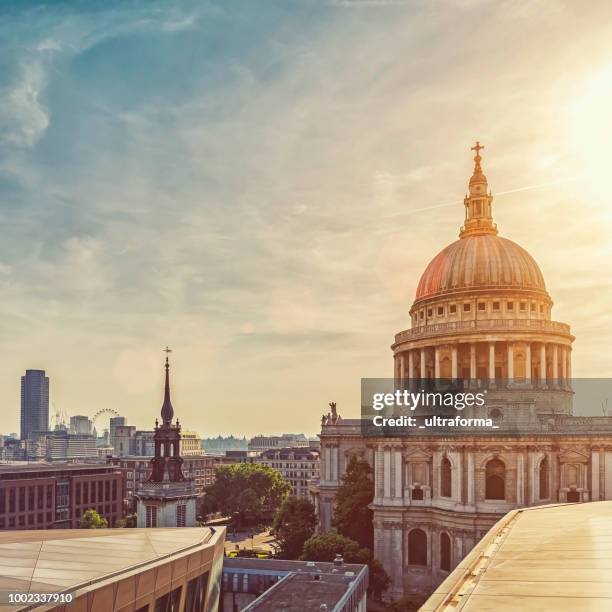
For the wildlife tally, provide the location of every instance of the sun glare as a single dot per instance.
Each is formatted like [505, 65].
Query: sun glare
[590, 127]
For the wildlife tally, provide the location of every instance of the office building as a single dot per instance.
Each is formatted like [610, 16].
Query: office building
[34, 402]
[42, 496]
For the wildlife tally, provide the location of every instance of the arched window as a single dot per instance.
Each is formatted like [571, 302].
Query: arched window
[445, 552]
[544, 479]
[495, 480]
[446, 476]
[417, 547]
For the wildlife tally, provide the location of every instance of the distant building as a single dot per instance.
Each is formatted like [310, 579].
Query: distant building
[42, 496]
[80, 424]
[263, 443]
[115, 422]
[125, 569]
[191, 444]
[270, 585]
[240, 456]
[64, 446]
[221, 444]
[298, 465]
[13, 450]
[144, 443]
[122, 440]
[104, 452]
[34, 402]
[167, 498]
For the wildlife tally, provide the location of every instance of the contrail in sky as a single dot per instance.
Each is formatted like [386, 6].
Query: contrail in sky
[495, 195]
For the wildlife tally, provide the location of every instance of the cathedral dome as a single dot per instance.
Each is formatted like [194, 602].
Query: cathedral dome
[480, 261]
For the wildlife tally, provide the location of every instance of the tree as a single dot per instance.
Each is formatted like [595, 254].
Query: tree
[247, 491]
[326, 546]
[293, 524]
[352, 515]
[92, 520]
[129, 521]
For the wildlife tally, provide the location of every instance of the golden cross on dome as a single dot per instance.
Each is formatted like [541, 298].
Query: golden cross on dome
[477, 147]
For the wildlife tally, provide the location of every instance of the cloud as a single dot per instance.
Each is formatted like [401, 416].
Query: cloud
[262, 188]
[23, 118]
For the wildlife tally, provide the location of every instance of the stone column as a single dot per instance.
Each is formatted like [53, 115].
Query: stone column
[528, 363]
[423, 363]
[387, 473]
[437, 362]
[472, 362]
[410, 364]
[379, 469]
[402, 371]
[510, 362]
[398, 492]
[520, 479]
[569, 367]
[491, 364]
[471, 479]
[555, 368]
[595, 475]
[454, 374]
[564, 366]
[543, 365]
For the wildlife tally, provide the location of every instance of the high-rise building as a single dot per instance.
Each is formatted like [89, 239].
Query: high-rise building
[34, 402]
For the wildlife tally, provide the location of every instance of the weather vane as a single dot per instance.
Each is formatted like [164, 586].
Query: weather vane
[167, 351]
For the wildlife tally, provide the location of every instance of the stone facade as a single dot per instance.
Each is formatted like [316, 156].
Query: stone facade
[482, 316]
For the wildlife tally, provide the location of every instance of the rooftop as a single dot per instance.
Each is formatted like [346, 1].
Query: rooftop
[556, 557]
[64, 560]
[305, 586]
[32, 466]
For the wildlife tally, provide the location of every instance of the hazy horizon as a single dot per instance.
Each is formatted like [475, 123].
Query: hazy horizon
[260, 186]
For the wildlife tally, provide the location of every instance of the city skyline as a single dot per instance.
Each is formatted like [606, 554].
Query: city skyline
[263, 199]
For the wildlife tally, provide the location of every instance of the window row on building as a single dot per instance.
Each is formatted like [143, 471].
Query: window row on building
[454, 309]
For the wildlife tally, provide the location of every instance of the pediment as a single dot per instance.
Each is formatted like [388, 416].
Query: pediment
[417, 455]
[573, 456]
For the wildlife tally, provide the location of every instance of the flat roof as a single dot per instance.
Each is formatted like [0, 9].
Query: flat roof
[53, 467]
[303, 593]
[305, 586]
[59, 560]
[556, 557]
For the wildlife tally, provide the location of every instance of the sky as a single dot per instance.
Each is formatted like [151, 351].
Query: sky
[259, 185]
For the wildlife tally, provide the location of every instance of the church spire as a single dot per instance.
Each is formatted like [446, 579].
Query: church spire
[478, 215]
[167, 411]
